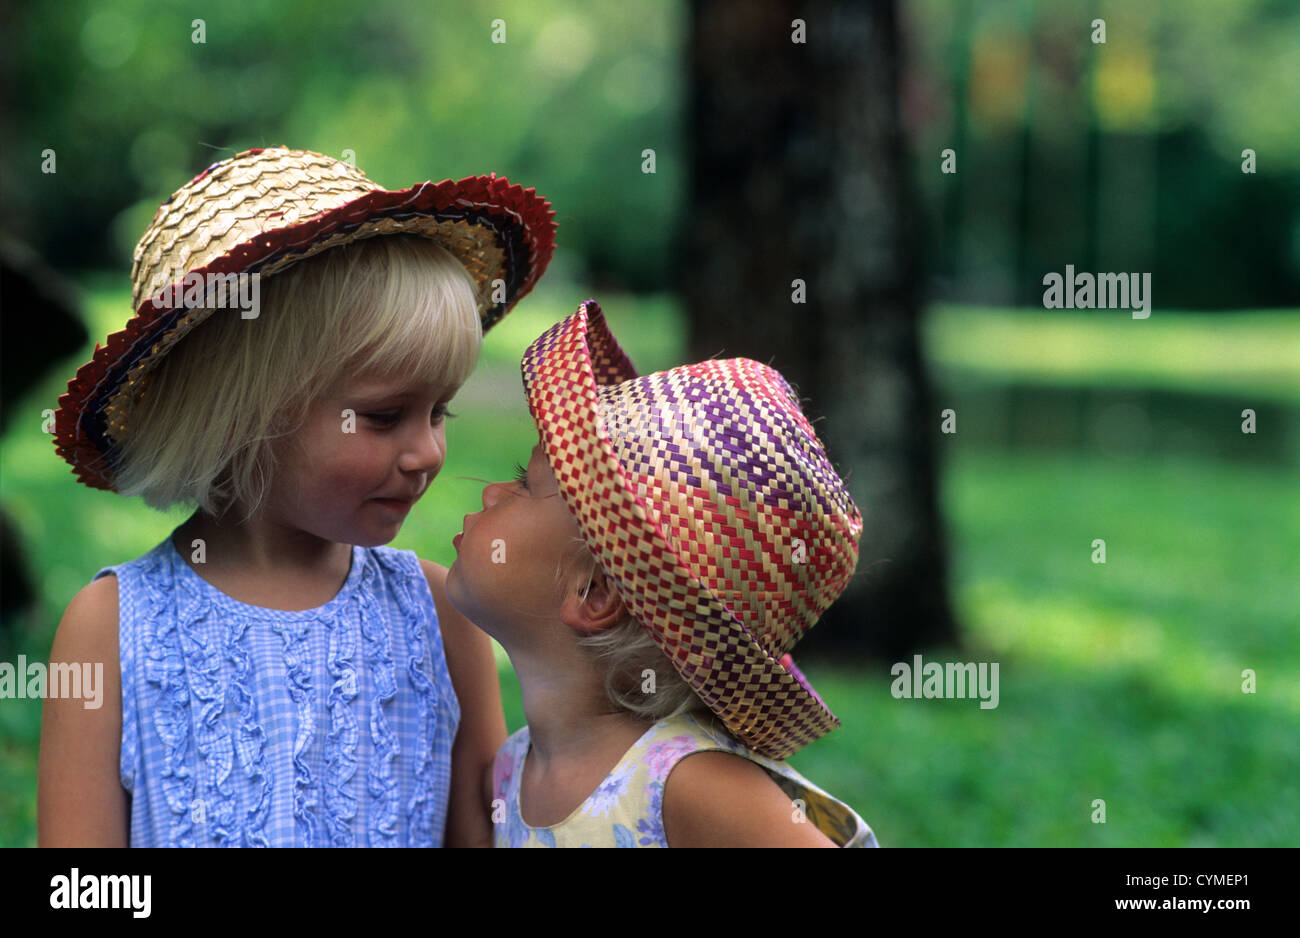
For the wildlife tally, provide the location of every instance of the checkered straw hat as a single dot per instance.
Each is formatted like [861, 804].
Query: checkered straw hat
[708, 499]
[259, 212]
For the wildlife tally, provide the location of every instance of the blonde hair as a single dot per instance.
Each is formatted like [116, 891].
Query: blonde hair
[625, 652]
[203, 433]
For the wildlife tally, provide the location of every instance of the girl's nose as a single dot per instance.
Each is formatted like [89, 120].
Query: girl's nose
[426, 451]
[492, 493]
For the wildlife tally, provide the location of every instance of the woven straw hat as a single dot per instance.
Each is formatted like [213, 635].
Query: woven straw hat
[708, 499]
[258, 213]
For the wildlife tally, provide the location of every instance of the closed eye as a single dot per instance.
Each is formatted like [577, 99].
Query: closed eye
[438, 414]
[521, 476]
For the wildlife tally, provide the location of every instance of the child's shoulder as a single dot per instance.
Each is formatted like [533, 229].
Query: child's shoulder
[98, 593]
[716, 798]
[435, 573]
[88, 629]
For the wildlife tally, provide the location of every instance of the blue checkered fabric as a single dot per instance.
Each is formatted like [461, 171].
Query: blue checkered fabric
[244, 726]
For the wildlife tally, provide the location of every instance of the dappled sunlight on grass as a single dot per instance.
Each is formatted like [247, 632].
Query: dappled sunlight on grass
[1174, 768]
[1037, 629]
[1074, 633]
[1259, 352]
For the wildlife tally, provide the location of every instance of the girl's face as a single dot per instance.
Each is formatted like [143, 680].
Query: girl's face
[509, 555]
[353, 479]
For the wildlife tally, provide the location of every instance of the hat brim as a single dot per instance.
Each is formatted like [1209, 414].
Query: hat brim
[770, 708]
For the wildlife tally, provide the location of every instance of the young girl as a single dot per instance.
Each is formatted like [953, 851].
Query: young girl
[273, 675]
[648, 571]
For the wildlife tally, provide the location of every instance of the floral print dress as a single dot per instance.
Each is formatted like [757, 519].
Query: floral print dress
[626, 809]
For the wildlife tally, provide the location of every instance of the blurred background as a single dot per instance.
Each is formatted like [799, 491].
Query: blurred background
[773, 180]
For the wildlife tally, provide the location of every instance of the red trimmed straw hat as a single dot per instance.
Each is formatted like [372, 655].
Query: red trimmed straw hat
[708, 499]
[259, 212]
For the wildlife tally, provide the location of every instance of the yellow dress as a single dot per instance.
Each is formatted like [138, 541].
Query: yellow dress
[626, 809]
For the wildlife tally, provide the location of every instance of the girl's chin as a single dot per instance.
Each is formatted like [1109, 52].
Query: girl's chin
[455, 590]
[466, 602]
[370, 537]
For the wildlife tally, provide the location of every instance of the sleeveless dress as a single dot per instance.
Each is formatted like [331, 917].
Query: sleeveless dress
[626, 809]
[245, 726]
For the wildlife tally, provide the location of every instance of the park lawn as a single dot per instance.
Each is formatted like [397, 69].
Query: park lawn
[1254, 353]
[1119, 682]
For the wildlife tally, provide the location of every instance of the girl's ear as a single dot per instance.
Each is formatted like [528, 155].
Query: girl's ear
[598, 609]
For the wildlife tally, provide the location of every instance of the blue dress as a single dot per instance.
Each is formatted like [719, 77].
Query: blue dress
[252, 727]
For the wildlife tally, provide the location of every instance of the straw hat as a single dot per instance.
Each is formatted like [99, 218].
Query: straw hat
[708, 499]
[259, 212]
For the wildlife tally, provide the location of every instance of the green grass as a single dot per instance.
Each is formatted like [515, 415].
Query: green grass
[1255, 353]
[1119, 681]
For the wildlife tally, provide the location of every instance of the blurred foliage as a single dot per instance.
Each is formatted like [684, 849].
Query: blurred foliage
[133, 108]
[1122, 156]
[1119, 156]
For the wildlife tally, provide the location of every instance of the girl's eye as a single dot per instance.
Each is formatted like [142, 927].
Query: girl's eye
[521, 476]
[439, 414]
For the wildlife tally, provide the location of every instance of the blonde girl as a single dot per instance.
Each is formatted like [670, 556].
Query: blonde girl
[275, 675]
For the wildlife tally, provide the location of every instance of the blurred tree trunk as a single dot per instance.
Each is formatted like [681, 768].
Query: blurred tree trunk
[954, 184]
[798, 173]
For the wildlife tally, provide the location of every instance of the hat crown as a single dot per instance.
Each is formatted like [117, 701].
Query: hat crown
[234, 201]
[728, 467]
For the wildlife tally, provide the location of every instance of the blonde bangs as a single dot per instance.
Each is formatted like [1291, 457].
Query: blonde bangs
[421, 321]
